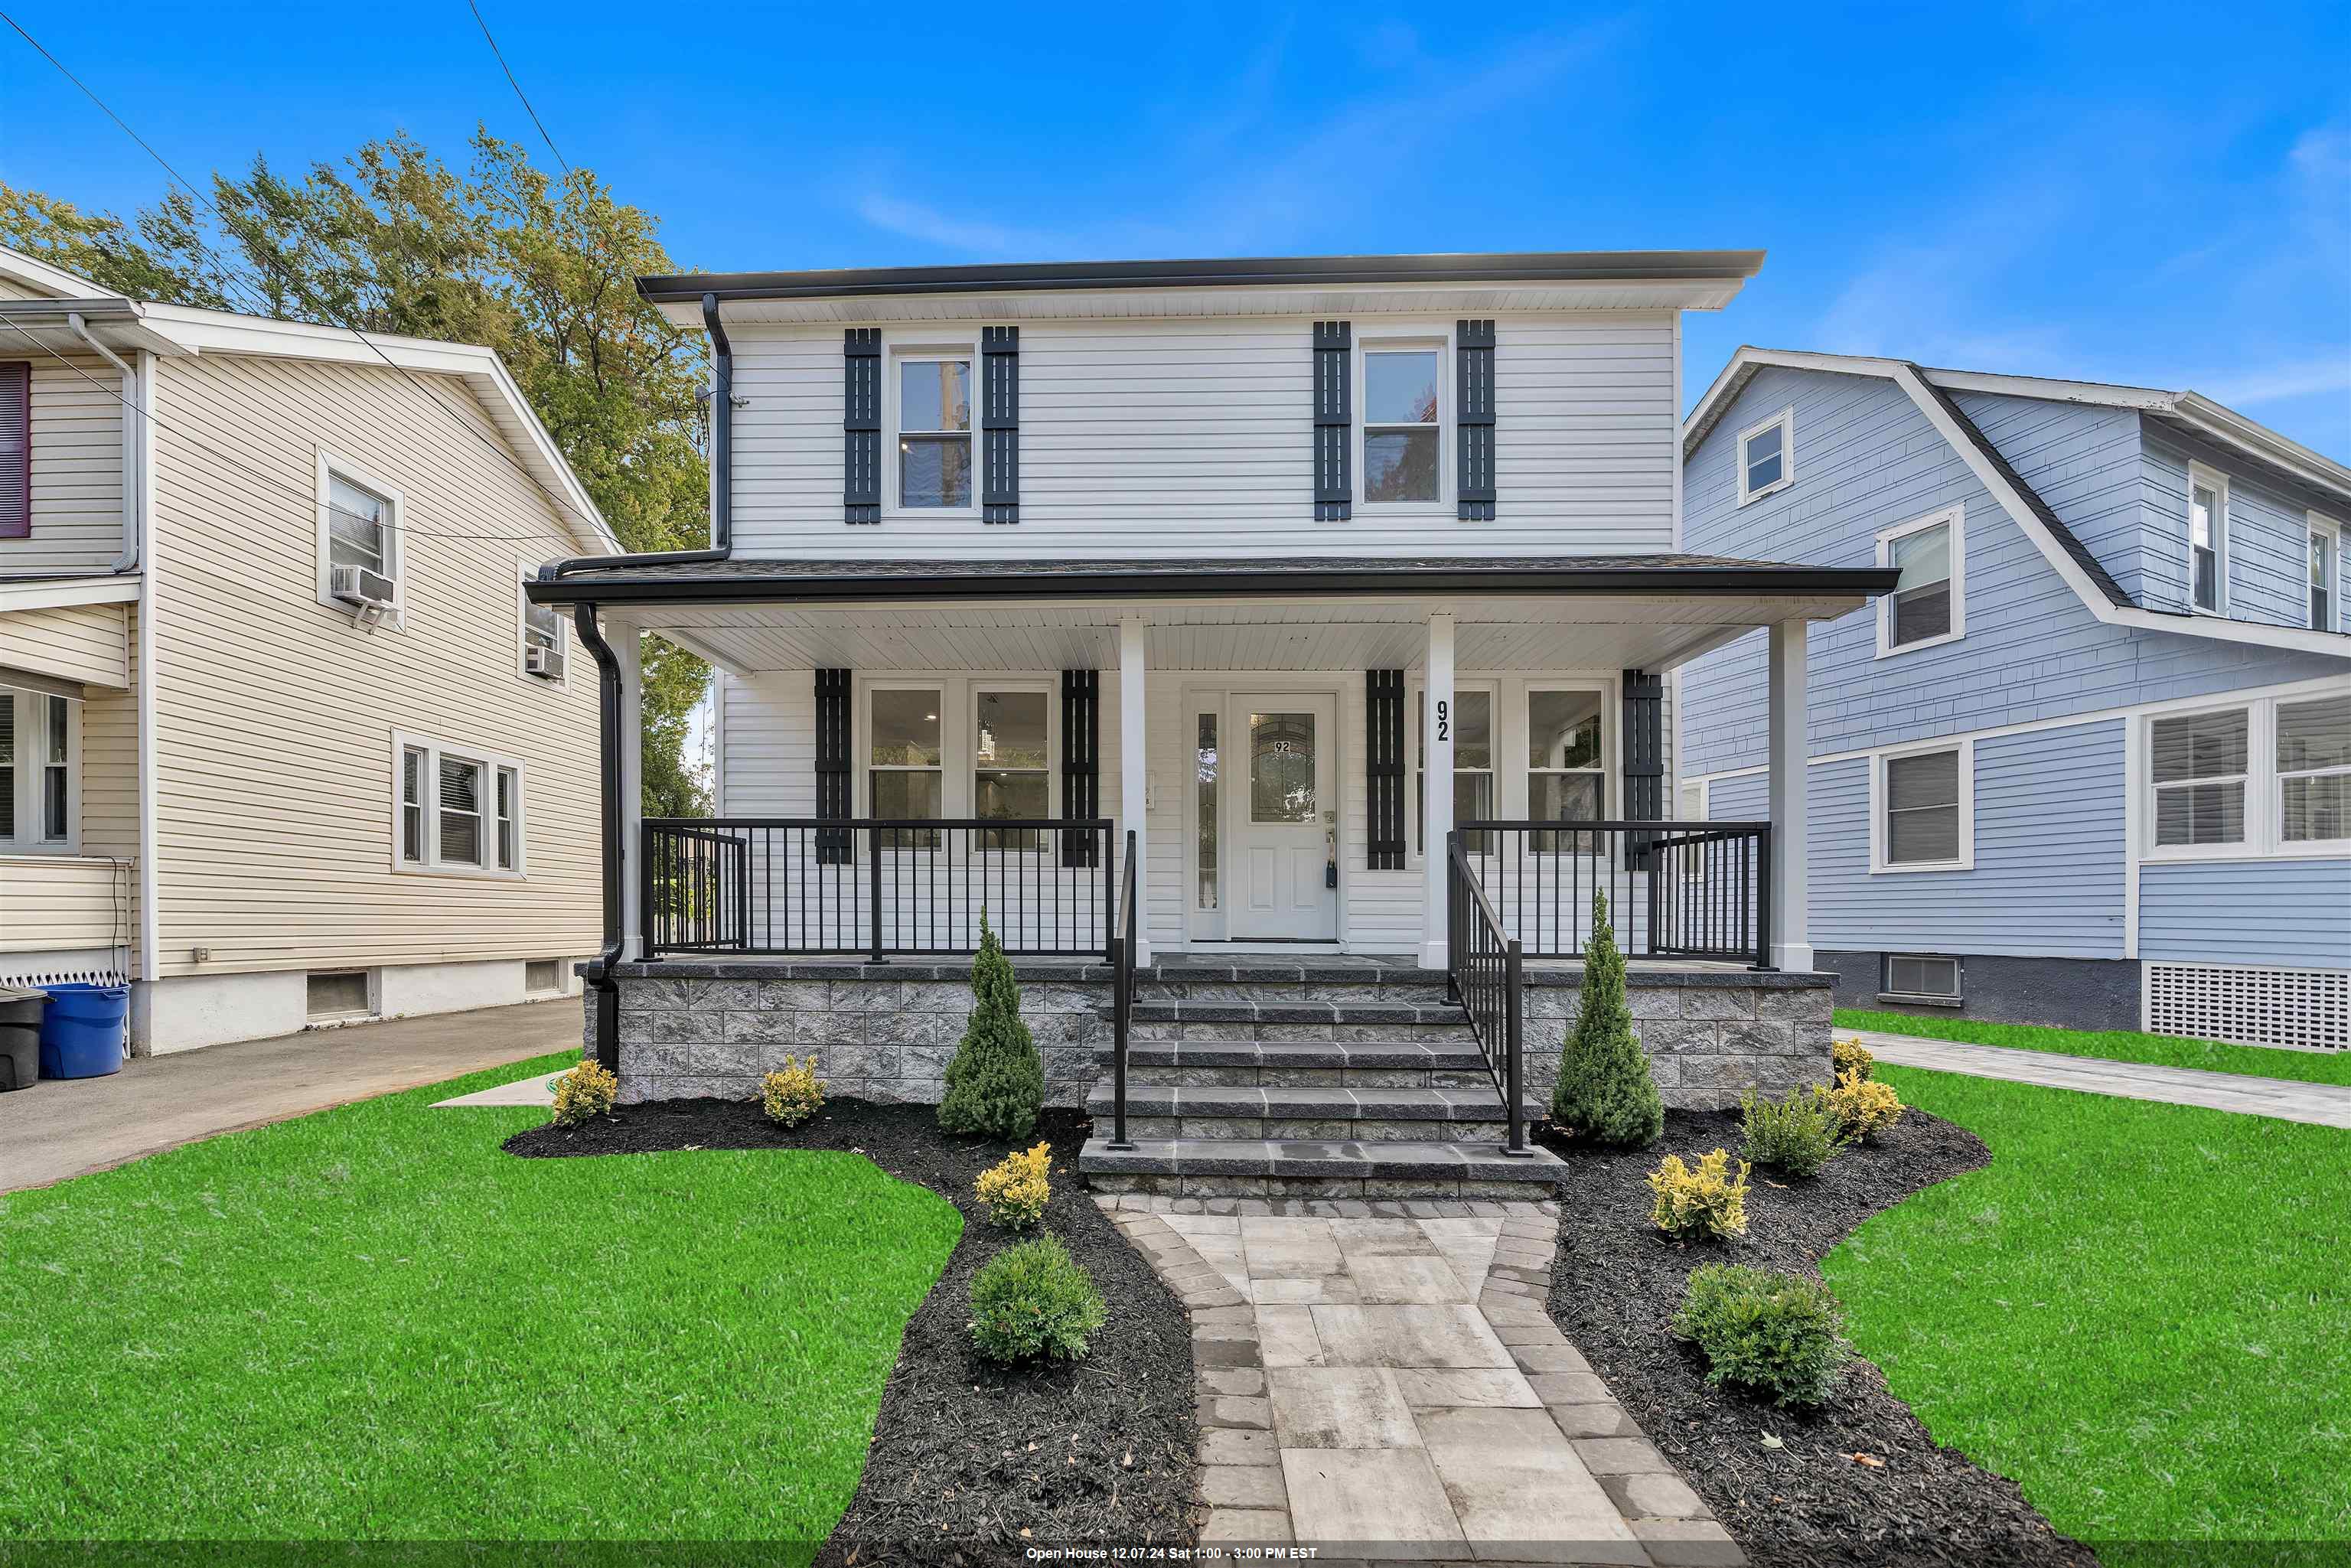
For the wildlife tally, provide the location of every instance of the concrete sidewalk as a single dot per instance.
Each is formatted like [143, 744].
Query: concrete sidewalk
[61, 1128]
[2323, 1105]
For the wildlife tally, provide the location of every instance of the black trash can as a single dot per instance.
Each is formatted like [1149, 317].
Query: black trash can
[20, 1037]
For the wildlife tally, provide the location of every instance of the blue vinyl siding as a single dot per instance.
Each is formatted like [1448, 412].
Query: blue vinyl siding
[2083, 461]
[2268, 569]
[1746, 798]
[2283, 914]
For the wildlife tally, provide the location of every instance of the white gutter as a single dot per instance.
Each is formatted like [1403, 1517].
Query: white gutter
[134, 419]
[145, 690]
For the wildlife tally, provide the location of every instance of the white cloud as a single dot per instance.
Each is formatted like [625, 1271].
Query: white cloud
[2255, 385]
[894, 215]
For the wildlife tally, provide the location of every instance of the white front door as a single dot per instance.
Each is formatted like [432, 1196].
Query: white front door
[1283, 805]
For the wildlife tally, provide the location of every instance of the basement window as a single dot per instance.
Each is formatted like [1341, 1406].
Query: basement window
[1920, 977]
[340, 994]
[541, 974]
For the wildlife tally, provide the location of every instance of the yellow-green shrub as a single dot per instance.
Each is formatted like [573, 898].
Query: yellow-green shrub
[587, 1090]
[1864, 1106]
[1701, 1200]
[1016, 1188]
[1850, 1055]
[793, 1093]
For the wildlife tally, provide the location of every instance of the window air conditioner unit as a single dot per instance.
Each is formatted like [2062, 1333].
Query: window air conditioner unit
[544, 662]
[358, 585]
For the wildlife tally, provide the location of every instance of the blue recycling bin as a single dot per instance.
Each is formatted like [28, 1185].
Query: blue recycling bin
[81, 1029]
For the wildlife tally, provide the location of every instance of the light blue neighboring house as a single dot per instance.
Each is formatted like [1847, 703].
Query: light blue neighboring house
[2091, 764]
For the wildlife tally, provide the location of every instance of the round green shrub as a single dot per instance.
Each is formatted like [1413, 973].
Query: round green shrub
[1778, 1336]
[1800, 1135]
[1034, 1299]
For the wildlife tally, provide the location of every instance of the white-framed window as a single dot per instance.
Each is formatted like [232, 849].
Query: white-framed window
[906, 728]
[1012, 760]
[1567, 764]
[1929, 605]
[1767, 455]
[541, 651]
[359, 522]
[2325, 553]
[1473, 764]
[1922, 808]
[2201, 766]
[40, 773]
[2208, 539]
[1404, 407]
[2313, 772]
[456, 810]
[931, 389]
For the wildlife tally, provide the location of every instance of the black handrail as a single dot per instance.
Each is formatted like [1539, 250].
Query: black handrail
[1485, 971]
[1122, 980]
[1676, 890]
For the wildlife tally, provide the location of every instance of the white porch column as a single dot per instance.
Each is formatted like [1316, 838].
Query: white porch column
[1436, 787]
[1132, 771]
[627, 648]
[1791, 932]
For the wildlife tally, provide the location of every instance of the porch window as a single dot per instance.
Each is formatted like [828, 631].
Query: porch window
[1010, 765]
[1473, 769]
[906, 763]
[1204, 756]
[1925, 607]
[1403, 424]
[2208, 539]
[1566, 769]
[2198, 763]
[456, 811]
[1767, 458]
[2313, 768]
[935, 432]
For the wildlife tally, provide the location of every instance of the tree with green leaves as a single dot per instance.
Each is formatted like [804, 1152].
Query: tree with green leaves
[995, 1082]
[1604, 1091]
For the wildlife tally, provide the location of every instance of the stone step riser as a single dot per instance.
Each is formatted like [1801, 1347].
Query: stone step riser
[1242, 991]
[1350, 1129]
[1304, 1077]
[1157, 1031]
[1371, 1188]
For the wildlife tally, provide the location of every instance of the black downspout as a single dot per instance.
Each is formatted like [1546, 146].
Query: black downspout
[598, 972]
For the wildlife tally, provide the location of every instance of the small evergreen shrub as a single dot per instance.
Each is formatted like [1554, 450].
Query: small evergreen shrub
[1034, 1299]
[1865, 1107]
[1800, 1135]
[587, 1090]
[1016, 1188]
[1850, 1055]
[793, 1093]
[1604, 1091]
[995, 1083]
[1701, 1200]
[1778, 1336]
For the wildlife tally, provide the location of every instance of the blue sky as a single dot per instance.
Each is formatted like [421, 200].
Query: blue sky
[2160, 195]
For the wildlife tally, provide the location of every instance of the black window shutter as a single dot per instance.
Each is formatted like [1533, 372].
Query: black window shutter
[1645, 755]
[861, 425]
[1383, 767]
[1000, 423]
[832, 765]
[1080, 761]
[1334, 411]
[1475, 421]
[16, 450]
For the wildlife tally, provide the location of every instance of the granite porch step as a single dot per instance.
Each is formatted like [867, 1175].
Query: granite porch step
[1450, 1062]
[1360, 1116]
[1248, 1168]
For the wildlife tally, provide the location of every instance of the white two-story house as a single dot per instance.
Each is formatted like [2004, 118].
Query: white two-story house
[1295, 622]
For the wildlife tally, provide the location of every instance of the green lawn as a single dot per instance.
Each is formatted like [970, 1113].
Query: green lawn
[2139, 1312]
[372, 1322]
[2117, 1045]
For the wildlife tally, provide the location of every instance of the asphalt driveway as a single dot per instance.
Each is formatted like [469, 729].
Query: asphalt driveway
[64, 1127]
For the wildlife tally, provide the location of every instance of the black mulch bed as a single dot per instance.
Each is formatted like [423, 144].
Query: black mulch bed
[1618, 1282]
[968, 1456]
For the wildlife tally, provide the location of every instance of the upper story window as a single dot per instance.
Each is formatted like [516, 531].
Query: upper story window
[359, 540]
[1926, 605]
[1924, 816]
[15, 449]
[2208, 539]
[541, 635]
[1404, 423]
[458, 811]
[39, 736]
[2325, 573]
[934, 413]
[1767, 456]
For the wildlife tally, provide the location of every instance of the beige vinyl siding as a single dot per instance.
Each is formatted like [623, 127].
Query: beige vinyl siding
[77, 467]
[57, 902]
[85, 643]
[12, 289]
[275, 714]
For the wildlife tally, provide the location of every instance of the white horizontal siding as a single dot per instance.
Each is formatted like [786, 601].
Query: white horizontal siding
[77, 467]
[63, 900]
[83, 643]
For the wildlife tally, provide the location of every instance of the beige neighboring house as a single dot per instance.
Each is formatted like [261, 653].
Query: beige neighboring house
[281, 741]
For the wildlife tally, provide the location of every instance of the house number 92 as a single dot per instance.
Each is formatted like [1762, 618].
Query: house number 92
[1444, 720]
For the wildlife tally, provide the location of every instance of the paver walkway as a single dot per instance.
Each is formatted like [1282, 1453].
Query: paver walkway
[1384, 1381]
[2325, 1104]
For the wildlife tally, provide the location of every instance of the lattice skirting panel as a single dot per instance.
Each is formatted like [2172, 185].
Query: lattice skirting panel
[2308, 1008]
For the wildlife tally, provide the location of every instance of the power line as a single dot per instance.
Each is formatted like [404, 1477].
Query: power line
[499, 55]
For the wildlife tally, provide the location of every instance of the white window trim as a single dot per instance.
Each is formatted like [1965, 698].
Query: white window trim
[2274, 815]
[524, 572]
[958, 716]
[1049, 690]
[1416, 850]
[1955, 518]
[896, 351]
[1611, 709]
[32, 764]
[433, 865]
[395, 533]
[2316, 525]
[2218, 483]
[2264, 798]
[1395, 337]
[1966, 861]
[1786, 420]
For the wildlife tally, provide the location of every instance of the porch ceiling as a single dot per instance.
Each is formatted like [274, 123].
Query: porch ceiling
[1643, 632]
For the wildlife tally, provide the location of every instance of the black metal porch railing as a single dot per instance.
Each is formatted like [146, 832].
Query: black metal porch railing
[1485, 971]
[1121, 971]
[774, 886]
[1675, 890]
